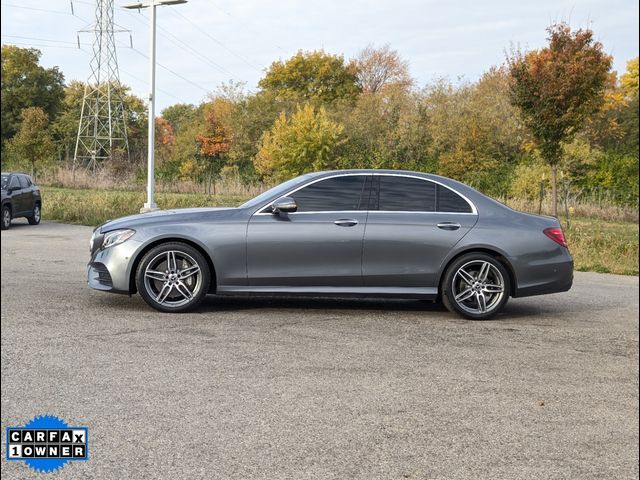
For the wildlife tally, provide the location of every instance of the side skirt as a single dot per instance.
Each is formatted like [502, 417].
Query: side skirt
[362, 292]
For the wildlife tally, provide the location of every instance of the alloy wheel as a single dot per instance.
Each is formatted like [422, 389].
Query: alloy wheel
[173, 278]
[478, 287]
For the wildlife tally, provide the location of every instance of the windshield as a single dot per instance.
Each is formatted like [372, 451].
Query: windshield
[5, 182]
[272, 192]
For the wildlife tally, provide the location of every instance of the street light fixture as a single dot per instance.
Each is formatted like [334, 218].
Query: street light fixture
[150, 204]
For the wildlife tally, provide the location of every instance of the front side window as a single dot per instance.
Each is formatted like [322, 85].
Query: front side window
[14, 182]
[334, 194]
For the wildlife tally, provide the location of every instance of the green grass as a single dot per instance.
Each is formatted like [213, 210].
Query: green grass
[596, 245]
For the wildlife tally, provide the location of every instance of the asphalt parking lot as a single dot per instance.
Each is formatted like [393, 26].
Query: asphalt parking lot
[317, 388]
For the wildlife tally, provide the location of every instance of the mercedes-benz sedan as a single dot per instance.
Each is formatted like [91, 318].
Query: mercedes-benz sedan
[368, 233]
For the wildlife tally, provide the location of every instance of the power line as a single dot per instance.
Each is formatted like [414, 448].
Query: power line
[129, 74]
[188, 48]
[34, 8]
[172, 72]
[57, 12]
[204, 32]
[36, 45]
[243, 23]
[145, 81]
[39, 39]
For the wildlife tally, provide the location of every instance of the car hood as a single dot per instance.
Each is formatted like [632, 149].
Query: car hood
[165, 216]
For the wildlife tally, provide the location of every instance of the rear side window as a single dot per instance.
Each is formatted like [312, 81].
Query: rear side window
[24, 183]
[406, 194]
[449, 201]
[334, 194]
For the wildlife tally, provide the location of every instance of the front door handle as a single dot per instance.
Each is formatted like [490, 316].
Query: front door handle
[346, 222]
[448, 226]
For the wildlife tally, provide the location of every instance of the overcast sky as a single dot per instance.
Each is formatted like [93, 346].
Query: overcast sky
[208, 42]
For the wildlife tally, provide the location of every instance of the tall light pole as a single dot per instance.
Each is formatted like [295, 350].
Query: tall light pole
[150, 204]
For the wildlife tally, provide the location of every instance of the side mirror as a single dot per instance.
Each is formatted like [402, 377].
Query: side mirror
[284, 204]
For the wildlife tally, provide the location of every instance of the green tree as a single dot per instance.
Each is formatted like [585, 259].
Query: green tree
[33, 145]
[305, 142]
[476, 132]
[557, 88]
[26, 84]
[316, 77]
[64, 127]
[179, 114]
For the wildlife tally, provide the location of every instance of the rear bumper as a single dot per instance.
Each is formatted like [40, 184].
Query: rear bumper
[553, 278]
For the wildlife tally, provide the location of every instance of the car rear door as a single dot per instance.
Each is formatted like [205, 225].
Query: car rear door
[320, 245]
[413, 224]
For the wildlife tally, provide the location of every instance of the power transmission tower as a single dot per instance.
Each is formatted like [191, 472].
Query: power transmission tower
[102, 129]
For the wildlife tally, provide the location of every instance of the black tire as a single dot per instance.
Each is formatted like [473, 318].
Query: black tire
[163, 284]
[34, 219]
[465, 292]
[6, 217]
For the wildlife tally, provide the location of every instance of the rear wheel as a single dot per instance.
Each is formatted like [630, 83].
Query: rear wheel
[173, 277]
[34, 219]
[6, 217]
[476, 286]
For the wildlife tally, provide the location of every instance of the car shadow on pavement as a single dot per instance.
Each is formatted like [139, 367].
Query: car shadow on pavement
[518, 309]
[233, 303]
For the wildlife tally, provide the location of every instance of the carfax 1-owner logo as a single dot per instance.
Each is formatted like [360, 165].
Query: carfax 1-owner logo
[47, 443]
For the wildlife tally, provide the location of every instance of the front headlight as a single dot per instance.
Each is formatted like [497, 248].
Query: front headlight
[116, 237]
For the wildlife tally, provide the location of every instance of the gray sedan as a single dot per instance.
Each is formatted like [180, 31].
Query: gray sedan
[367, 233]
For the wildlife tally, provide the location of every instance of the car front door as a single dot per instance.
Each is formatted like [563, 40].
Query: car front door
[319, 245]
[413, 223]
[17, 196]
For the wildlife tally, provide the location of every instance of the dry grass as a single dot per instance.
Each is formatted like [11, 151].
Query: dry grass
[105, 180]
[93, 207]
[605, 247]
[602, 210]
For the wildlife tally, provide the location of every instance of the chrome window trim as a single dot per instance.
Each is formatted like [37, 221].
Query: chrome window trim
[474, 210]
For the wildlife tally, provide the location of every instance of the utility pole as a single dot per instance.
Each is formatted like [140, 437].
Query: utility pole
[150, 204]
[102, 126]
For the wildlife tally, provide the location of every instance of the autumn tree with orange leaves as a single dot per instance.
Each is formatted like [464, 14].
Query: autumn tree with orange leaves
[214, 142]
[558, 88]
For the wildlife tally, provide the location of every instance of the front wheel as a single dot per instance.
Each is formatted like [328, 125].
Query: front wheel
[34, 218]
[6, 217]
[476, 286]
[173, 277]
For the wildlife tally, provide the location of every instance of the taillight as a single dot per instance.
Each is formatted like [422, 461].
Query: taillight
[556, 235]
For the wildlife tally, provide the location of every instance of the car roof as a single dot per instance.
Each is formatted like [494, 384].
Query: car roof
[431, 176]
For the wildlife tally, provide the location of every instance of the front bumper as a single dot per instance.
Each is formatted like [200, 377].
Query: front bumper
[110, 269]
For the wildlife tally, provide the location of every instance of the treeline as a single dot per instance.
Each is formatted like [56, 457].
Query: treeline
[319, 111]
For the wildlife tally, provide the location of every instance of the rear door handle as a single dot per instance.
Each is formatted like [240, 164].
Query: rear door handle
[448, 226]
[346, 222]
